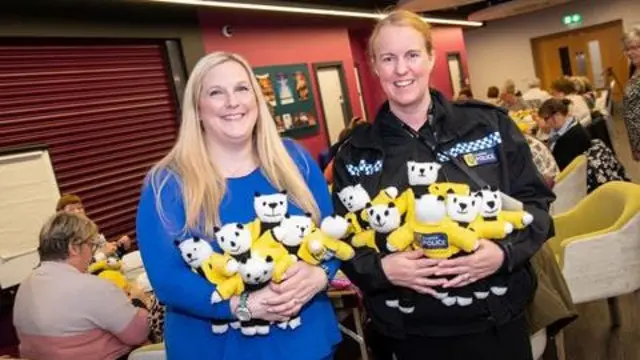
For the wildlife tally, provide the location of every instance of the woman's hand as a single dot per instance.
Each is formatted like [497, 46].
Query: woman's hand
[256, 303]
[109, 248]
[125, 242]
[301, 283]
[412, 270]
[470, 268]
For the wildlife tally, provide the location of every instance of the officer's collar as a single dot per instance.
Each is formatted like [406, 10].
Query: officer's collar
[441, 113]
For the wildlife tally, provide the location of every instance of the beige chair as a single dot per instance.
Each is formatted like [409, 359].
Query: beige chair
[597, 244]
[570, 186]
[149, 352]
[538, 344]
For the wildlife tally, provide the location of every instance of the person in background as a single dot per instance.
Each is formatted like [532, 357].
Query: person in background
[403, 56]
[493, 95]
[228, 151]
[631, 103]
[535, 96]
[63, 313]
[509, 98]
[72, 203]
[579, 109]
[465, 94]
[568, 138]
[585, 89]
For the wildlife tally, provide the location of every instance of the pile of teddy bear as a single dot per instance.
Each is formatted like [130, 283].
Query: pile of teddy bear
[440, 218]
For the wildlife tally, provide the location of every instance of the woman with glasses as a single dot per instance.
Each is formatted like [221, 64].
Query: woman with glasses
[632, 91]
[568, 139]
[61, 312]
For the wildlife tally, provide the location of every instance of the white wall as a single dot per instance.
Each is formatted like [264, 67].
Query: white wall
[502, 48]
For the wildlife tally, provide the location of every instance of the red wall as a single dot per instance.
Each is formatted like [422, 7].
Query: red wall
[279, 40]
[445, 40]
[277, 44]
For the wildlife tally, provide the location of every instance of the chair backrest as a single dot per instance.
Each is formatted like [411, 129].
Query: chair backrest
[570, 185]
[149, 352]
[602, 259]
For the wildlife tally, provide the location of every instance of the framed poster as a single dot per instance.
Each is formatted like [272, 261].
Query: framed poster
[287, 89]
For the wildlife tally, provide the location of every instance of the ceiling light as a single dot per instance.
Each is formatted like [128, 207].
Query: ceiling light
[312, 11]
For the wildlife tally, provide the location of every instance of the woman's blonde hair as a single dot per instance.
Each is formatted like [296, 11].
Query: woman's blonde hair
[203, 186]
[401, 18]
[631, 35]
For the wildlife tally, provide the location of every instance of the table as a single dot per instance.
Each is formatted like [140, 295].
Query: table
[347, 301]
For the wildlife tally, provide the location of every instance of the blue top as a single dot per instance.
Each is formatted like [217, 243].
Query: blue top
[187, 296]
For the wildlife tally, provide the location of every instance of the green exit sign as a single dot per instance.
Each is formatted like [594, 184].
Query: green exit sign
[572, 19]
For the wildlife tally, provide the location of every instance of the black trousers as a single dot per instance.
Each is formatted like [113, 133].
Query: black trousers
[508, 342]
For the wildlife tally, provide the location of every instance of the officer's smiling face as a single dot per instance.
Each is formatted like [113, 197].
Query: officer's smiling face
[403, 64]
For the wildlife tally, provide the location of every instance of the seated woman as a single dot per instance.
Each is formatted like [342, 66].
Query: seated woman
[579, 109]
[568, 138]
[73, 203]
[61, 312]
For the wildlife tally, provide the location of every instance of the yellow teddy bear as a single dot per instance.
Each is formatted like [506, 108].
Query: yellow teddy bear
[432, 231]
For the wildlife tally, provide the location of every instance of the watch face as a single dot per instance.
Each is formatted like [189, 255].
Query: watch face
[243, 314]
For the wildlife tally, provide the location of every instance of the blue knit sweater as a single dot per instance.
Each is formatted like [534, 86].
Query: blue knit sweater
[187, 296]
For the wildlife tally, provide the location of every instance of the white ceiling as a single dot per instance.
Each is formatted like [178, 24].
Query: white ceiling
[512, 8]
[431, 5]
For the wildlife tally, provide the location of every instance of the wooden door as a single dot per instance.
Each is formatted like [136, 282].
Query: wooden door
[582, 52]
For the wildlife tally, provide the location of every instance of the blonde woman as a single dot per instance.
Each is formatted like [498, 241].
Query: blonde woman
[229, 149]
[632, 91]
[419, 124]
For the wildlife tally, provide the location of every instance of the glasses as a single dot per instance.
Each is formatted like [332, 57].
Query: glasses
[93, 243]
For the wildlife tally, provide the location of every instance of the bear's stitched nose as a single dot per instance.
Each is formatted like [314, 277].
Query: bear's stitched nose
[233, 244]
[189, 255]
[422, 171]
[491, 204]
[273, 205]
[463, 206]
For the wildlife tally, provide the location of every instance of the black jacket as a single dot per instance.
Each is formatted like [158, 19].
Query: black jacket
[513, 171]
[575, 142]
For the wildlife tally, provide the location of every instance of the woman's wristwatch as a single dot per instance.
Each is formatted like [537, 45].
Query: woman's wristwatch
[242, 311]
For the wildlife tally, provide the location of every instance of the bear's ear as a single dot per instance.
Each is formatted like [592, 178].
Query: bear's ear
[477, 194]
[176, 242]
[493, 188]
[451, 192]
[268, 259]
[287, 216]
[240, 226]
[243, 260]
[216, 228]
[307, 214]
[256, 194]
[440, 198]
[196, 239]
[486, 187]
[367, 205]
[392, 205]
[283, 192]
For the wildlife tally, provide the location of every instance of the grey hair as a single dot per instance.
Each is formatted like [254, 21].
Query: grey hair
[632, 35]
[534, 83]
[62, 230]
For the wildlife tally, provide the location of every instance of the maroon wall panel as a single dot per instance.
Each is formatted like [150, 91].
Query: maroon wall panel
[107, 113]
